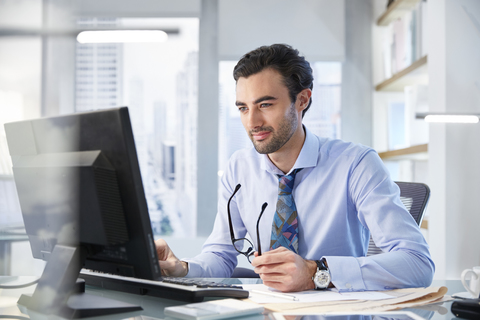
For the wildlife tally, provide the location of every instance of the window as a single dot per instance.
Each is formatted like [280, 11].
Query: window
[158, 82]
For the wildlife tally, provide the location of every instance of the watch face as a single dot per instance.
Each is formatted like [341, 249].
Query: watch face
[322, 279]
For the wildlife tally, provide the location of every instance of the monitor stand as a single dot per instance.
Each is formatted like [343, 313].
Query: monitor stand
[56, 290]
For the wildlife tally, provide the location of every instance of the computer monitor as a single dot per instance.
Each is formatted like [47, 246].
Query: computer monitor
[83, 204]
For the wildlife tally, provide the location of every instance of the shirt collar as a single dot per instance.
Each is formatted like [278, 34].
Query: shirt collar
[308, 156]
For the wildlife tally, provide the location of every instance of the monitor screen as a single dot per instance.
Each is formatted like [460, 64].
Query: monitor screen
[81, 194]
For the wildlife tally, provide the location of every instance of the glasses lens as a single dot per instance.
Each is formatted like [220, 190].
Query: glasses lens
[243, 246]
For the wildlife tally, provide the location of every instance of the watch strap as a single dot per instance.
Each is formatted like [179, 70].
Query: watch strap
[321, 265]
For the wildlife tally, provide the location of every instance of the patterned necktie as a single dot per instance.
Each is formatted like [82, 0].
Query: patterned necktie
[285, 223]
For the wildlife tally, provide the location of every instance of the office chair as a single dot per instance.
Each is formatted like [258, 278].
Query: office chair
[414, 197]
[241, 272]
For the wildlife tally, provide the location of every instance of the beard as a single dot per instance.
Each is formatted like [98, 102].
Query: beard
[285, 131]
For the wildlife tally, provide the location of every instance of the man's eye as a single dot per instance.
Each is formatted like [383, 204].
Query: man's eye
[265, 105]
[242, 109]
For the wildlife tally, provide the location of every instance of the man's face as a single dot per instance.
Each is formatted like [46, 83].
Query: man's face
[267, 113]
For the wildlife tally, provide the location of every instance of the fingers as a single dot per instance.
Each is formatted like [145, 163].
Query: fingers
[276, 268]
[278, 271]
[284, 270]
[167, 267]
[281, 286]
[163, 250]
[173, 268]
[279, 255]
[282, 282]
[169, 263]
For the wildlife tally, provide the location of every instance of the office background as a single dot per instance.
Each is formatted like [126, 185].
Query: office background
[180, 95]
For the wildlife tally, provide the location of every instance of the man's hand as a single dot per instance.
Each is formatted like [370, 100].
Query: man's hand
[285, 270]
[170, 265]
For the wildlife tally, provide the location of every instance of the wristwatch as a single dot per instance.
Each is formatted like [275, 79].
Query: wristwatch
[321, 278]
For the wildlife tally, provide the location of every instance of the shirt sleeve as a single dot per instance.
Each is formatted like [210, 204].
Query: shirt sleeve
[405, 261]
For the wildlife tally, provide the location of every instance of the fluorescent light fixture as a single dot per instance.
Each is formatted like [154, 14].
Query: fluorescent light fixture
[122, 36]
[451, 118]
[448, 118]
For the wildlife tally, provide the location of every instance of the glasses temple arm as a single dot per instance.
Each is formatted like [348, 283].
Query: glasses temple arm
[258, 234]
[228, 211]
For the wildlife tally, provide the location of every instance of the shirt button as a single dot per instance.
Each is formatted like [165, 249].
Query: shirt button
[348, 285]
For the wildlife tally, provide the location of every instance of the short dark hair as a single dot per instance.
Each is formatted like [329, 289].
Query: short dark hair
[295, 70]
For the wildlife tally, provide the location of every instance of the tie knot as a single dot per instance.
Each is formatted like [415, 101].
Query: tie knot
[286, 182]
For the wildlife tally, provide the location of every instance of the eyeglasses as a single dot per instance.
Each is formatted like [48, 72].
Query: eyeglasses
[239, 244]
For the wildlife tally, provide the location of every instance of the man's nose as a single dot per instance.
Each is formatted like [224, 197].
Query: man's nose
[255, 118]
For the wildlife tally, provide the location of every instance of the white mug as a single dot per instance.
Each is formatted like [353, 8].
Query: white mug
[474, 286]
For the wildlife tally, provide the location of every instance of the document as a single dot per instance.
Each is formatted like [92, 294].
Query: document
[260, 293]
[331, 301]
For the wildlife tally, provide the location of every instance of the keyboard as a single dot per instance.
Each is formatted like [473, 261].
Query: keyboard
[183, 289]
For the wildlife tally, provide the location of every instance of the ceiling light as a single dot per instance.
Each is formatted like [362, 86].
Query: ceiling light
[122, 36]
[448, 118]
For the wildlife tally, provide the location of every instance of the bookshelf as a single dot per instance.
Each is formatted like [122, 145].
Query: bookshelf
[424, 224]
[418, 152]
[414, 74]
[396, 10]
[400, 61]
[400, 55]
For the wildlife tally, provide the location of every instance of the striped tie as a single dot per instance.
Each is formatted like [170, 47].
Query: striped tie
[285, 223]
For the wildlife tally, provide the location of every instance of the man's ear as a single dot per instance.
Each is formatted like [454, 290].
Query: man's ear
[303, 99]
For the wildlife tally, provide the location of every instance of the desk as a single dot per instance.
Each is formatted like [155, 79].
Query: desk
[153, 307]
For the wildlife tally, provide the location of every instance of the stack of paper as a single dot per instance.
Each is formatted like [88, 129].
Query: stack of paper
[331, 301]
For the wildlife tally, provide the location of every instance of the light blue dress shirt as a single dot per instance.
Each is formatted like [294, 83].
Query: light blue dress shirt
[343, 194]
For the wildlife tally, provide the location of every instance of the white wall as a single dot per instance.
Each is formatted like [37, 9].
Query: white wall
[315, 27]
[454, 149]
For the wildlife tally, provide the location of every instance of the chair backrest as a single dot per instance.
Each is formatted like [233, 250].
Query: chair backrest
[415, 198]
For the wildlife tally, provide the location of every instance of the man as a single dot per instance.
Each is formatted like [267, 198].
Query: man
[335, 194]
